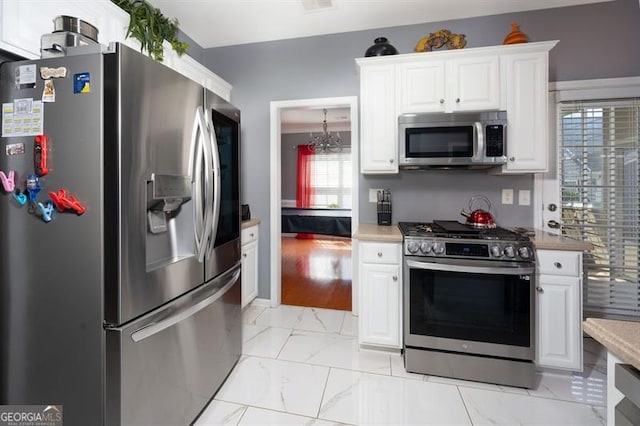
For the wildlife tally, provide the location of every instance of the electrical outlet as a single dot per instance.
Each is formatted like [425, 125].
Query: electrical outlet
[373, 195]
[507, 196]
[524, 197]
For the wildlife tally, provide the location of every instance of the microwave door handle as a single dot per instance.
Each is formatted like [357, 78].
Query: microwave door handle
[480, 138]
[527, 270]
[217, 190]
[195, 166]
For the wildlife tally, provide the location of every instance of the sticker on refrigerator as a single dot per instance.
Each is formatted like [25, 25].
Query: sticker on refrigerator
[82, 83]
[14, 149]
[22, 117]
[26, 76]
[49, 92]
[47, 73]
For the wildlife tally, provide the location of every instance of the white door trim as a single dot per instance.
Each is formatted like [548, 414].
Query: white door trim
[546, 185]
[276, 108]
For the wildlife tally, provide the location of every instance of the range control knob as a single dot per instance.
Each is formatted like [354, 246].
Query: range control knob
[438, 248]
[426, 247]
[495, 251]
[524, 252]
[412, 247]
[509, 251]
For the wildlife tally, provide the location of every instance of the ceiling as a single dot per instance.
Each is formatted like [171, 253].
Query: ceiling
[309, 119]
[214, 23]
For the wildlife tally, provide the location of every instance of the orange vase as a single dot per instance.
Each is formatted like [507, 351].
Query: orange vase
[515, 36]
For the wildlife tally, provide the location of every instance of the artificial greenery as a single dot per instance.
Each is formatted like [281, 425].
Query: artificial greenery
[150, 27]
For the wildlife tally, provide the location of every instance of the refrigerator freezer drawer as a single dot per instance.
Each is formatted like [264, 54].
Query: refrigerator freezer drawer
[163, 368]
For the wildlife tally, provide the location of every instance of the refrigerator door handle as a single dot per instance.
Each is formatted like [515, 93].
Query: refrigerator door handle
[195, 166]
[151, 329]
[208, 185]
[217, 178]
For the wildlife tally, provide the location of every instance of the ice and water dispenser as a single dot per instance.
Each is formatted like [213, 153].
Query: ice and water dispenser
[170, 228]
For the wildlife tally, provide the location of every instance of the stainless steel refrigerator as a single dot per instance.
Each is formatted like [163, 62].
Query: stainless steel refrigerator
[119, 247]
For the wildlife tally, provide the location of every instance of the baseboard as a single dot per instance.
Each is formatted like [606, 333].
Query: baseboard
[261, 302]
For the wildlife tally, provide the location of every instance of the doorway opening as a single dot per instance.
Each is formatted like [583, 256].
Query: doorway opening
[311, 262]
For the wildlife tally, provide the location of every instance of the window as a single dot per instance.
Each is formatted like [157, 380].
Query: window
[331, 180]
[600, 191]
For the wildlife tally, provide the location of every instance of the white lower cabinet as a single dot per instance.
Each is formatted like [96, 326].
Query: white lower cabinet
[380, 281]
[249, 285]
[559, 310]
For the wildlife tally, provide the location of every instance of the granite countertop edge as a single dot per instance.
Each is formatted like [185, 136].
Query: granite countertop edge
[541, 239]
[622, 338]
[249, 223]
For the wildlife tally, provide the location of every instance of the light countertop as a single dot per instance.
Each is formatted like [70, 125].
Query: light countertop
[374, 232]
[547, 241]
[622, 338]
[249, 223]
[541, 239]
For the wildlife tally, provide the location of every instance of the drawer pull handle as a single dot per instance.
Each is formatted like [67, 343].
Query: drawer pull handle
[540, 290]
[391, 160]
[244, 254]
[379, 254]
[251, 235]
[557, 265]
[395, 278]
[458, 100]
[441, 101]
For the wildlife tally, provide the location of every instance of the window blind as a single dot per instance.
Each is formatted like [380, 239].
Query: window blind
[331, 179]
[599, 182]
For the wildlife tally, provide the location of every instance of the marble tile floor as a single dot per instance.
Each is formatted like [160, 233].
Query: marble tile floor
[304, 366]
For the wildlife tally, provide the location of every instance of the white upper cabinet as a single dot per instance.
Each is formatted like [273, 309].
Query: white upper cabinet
[463, 84]
[22, 23]
[525, 80]
[512, 78]
[378, 121]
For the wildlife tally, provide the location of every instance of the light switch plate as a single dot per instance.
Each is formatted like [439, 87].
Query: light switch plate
[373, 195]
[524, 197]
[507, 196]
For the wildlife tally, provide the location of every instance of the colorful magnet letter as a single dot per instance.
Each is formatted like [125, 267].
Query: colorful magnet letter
[46, 211]
[8, 182]
[64, 201]
[33, 186]
[82, 83]
[20, 198]
[41, 155]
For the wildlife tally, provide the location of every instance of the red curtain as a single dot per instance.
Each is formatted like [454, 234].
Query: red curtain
[304, 189]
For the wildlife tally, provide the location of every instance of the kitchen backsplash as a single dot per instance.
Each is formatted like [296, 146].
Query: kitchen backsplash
[442, 194]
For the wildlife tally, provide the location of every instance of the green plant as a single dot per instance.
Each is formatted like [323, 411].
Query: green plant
[150, 27]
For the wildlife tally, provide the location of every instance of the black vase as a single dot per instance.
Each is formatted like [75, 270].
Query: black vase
[381, 48]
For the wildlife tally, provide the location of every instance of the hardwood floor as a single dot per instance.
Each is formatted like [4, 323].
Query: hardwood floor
[316, 273]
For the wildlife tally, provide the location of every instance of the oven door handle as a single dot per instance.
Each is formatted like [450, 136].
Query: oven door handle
[528, 270]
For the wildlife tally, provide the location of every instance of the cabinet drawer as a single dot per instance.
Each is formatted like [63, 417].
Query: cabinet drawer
[249, 234]
[380, 253]
[556, 262]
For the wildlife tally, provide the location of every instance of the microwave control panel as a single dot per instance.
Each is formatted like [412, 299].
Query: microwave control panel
[494, 134]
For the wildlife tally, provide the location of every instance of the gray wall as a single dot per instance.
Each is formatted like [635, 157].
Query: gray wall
[596, 41]
[289, 159]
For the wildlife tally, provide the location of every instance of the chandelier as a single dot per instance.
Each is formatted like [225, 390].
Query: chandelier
[326, 142]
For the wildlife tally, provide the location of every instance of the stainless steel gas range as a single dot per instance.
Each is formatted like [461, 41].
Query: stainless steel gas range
[469, 303]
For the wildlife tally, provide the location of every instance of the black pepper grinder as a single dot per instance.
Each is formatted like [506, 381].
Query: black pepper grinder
[381, 48]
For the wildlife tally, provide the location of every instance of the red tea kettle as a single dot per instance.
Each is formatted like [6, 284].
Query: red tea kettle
[479, 218]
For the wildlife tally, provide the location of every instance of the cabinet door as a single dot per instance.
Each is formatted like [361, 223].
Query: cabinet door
[473, 84]
[22, 23]
[421, 86]
[525, 82]
[378, 146]
[249, 272]
[559, 322]
[380, 304]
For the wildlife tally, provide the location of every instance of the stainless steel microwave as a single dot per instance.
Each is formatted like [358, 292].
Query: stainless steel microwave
[452, 140]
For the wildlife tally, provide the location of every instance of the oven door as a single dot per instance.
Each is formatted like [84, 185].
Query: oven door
[470, 306]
